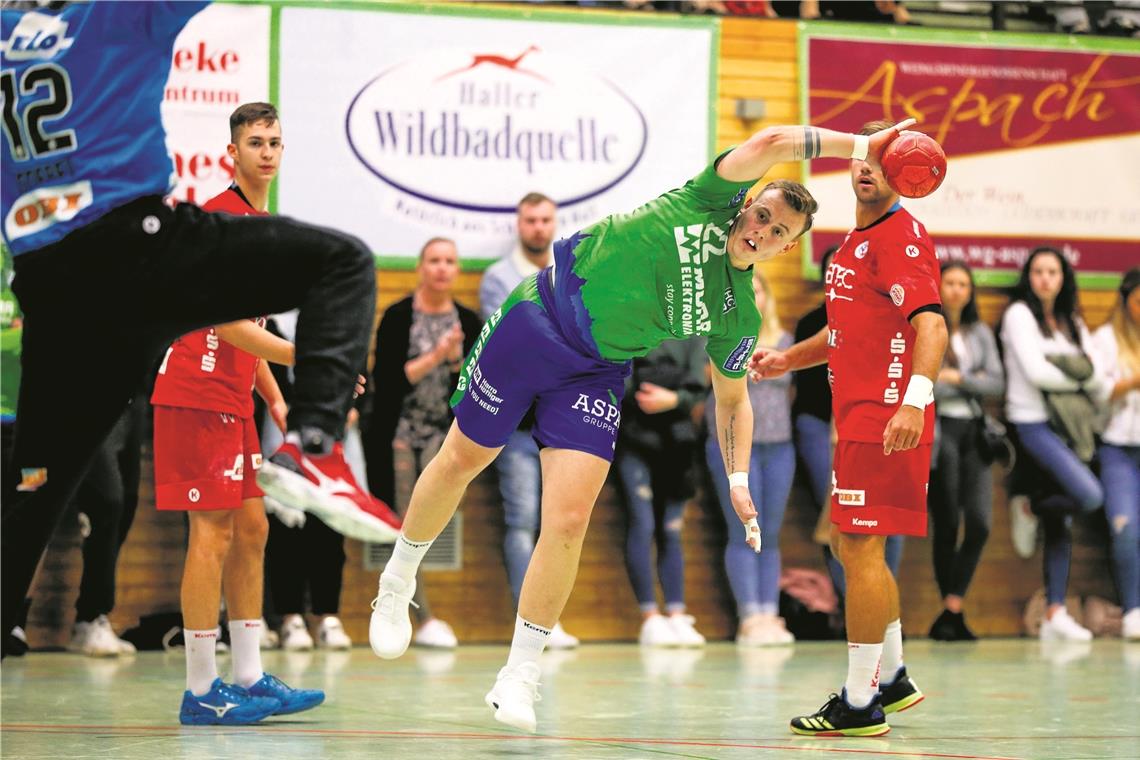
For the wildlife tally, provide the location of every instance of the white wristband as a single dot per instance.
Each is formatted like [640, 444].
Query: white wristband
[918, 392]
[859, 149]
[738, 479]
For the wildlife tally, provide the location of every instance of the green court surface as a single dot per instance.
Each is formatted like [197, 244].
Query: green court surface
[993, 699]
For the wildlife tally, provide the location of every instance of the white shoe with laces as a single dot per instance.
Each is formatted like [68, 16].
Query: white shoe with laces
[1022, 526]
[559, 639]
[763, 631]
[685, 631]
[390, 628]
[514, 694]
[295, 634]
[656, 631]
[435, 634]
[1062, 627]
[1130, 625]
[331, 634]
[97, 639]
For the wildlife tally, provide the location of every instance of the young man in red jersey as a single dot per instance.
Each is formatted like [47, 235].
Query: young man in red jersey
[883, 343]
[206, 456]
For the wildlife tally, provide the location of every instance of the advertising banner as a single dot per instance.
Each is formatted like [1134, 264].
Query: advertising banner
[1043, 142]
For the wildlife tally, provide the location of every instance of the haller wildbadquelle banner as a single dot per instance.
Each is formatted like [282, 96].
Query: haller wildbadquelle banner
[402, 124]
[1042, 134]
[220, 60]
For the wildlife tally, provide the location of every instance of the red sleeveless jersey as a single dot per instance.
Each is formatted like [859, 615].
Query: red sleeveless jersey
[200, 370]
[877, 280]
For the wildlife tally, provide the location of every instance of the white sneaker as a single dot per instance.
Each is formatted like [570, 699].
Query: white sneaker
[390, 628]
[657, 632]
[763, 631]
[269, 638]
[98, 639]
[1130, 625]
[514, 694]
[331, 634]
[295, 635]
[559, 639]
[685, 632]
[435, 634]
[1062, 627]
[1022, 526]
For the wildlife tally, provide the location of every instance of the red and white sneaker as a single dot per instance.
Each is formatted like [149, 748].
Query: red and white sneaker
[324, 486]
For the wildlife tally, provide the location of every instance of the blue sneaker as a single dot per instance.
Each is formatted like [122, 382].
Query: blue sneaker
[291, 700]
[225, 705]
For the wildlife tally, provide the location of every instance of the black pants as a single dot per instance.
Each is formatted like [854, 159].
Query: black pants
[961, 490]
[102, 304]
[308, 558]
[109, 495]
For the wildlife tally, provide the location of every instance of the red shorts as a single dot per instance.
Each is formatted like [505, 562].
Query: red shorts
[879, 494]
[204, 460]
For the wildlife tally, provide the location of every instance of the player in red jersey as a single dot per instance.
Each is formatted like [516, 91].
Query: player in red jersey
[206, 456]
[883, 343]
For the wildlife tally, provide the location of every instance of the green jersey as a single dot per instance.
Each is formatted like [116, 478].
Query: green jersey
[631, 281]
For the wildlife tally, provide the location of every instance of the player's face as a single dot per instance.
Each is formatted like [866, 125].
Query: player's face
[1046, 277]
[536, 227]
[439, 267]
[765, 229]
[257, 152]
[869, 183]
[955, 290]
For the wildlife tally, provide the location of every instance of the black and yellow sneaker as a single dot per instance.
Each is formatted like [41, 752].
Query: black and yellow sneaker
[900, 694]
[837, 718]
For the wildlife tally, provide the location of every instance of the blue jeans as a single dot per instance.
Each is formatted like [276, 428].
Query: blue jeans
[1077, 491]
[755, 578]
[644, 527]
[813, 444]
[1120, 474]
[520, 483]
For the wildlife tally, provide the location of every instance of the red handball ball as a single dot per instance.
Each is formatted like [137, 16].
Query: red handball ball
[914, 164]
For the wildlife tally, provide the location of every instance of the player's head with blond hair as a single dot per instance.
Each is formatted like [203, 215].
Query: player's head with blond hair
[771, 222]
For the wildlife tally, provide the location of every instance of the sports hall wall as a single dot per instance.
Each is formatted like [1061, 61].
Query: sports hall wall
[756, 59]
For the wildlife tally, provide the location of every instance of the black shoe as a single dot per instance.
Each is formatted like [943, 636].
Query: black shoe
[900, 694]
[943, 628]
[964, 633]
[838, 718]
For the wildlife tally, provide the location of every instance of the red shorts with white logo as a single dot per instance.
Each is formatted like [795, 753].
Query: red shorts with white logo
[879, 494]
[204, 460]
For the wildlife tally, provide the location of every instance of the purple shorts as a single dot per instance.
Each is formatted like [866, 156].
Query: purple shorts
[520, 359]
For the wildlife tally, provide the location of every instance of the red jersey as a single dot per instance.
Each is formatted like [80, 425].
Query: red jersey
[877, 280]
[201, 371]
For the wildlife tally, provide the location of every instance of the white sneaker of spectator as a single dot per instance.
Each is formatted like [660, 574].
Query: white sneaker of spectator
[1022, 526]
[1062, 627]
[436, 634]
[295, 635]
[656, 631]
[269, 638]
[98, 639]
[685, 631]
[763, 631]
[331, 634]
[1130, 625]
[559, 639]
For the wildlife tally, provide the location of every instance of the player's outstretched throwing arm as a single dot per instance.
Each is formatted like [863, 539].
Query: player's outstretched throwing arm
[776, 145]
[734, 432]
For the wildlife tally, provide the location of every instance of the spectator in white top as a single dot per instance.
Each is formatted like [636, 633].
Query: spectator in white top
[1117, 351]
[1045, 342]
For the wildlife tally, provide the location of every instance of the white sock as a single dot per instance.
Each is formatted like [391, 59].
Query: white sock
[892, 651]
[201, 665]
[406, 558]
[862, 673]
[245, 644]
[528, 642]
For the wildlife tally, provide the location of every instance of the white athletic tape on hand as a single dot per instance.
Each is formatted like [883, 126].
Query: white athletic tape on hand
[738, 479]
[752, 531]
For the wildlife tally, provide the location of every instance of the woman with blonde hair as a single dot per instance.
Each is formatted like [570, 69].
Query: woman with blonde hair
[755, 578]
[1116, 348]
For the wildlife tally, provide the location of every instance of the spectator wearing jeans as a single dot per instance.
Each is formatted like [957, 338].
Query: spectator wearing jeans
[520, 474]
[1045, 341]
[1117, 351]
[961, 488]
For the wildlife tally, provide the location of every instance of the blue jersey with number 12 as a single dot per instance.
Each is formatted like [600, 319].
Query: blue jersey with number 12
[81, 92]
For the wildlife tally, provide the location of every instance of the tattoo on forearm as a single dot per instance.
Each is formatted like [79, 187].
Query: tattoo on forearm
[807, 145]
[730, 444]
